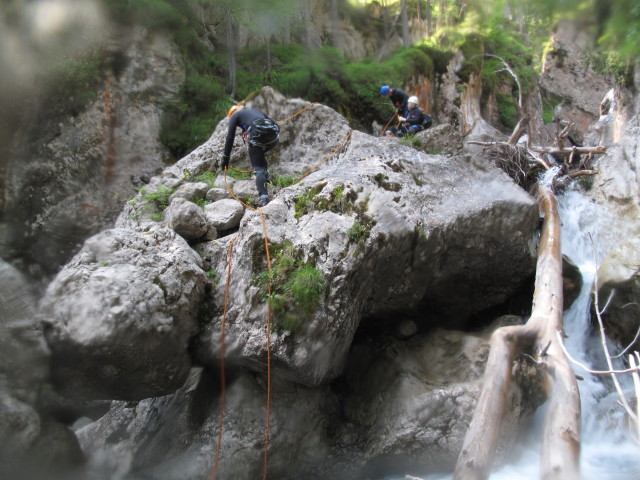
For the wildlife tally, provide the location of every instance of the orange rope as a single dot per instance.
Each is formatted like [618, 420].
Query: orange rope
[389, 122]
[326, 158]
[222, 354]
[297, 113]
[269, 289]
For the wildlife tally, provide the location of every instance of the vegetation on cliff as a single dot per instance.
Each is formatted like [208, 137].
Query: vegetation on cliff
[220, 73]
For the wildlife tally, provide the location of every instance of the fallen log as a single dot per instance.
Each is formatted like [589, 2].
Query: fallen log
[560, 452]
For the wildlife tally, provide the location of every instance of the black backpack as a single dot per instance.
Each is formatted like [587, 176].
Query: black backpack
[427, 121]
[264, 133]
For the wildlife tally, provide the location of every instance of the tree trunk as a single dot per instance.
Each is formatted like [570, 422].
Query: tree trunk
[561, 437]
[429, 18]
[405, 23]
[335, 23]
[232, 52]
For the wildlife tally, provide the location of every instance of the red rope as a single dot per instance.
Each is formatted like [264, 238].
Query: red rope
[222, 354]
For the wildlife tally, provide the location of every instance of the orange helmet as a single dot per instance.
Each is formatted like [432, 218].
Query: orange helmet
[233, 109]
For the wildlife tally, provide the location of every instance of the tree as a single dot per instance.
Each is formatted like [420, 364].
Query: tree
[406, 40]
[561, 437]
[538, 339]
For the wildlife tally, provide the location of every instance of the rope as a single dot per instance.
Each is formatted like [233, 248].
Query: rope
[326, 158]
[389, 122]
[269, 289]
[222, 352]
[297, 113]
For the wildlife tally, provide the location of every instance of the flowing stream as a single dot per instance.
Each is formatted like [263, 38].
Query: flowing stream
[608, 451]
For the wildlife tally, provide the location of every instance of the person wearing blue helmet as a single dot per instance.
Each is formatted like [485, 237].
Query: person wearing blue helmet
[398, 97]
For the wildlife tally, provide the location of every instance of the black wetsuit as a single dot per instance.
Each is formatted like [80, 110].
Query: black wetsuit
[243, 118]
[400, 100]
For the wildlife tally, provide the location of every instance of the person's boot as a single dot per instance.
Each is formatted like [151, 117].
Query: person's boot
[263, 200]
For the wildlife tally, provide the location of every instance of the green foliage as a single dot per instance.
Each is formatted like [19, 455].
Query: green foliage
[159, 197]
[152, 201]
[611, 63]
[207, 177]
[296, 287]
[189, 119]
[73, 82]
[358, 233]
[549, 103]
[622, 29]
[153, 14]
[305, 287]
[212, 274]
[281, 181]
[410, 141]
[507, 110]
[238, 174]
[316, 199]
[303, 203]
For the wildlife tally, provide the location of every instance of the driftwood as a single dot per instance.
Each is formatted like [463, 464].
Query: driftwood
[561, 437]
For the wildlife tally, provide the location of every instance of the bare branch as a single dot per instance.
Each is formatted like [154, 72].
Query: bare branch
[519, 129]
[513, 74]
[605, 349]
[568, 151]
[590, 370]
[581, 173]
[636, 385]
[630, 345]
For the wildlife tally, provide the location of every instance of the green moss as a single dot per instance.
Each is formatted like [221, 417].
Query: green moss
[282, 181]
[152, 202]
[303, 203]
[316, 198]
[296, 287]
[208, 177]
[358, 232]
[549, 103]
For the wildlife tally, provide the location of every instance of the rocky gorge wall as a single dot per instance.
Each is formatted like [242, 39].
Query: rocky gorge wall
[380, 376]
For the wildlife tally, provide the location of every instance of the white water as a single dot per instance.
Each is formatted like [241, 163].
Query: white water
[608, 451]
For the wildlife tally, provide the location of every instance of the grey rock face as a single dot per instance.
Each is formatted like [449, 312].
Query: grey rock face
[69, 180]
[31, 442]
[396, 234]
[118, 317]
[447, 238]
[564, 68]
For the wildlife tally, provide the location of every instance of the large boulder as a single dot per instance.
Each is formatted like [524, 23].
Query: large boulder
[619, 289]
[390, 229]
[119, 316]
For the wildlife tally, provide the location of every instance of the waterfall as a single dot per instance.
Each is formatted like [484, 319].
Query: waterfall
[608, 451]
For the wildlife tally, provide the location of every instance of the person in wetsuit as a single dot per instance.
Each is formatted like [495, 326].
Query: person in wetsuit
[398, 97]
[253, 124]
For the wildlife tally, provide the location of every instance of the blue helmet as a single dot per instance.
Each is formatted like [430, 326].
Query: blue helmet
[384, 90]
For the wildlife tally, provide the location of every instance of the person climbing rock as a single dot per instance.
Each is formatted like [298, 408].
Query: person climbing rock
[260, 133]
[398, 97]
[415, 121]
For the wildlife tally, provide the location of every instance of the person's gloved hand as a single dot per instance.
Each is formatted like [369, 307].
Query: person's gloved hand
[402, 119]
[224, 164]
